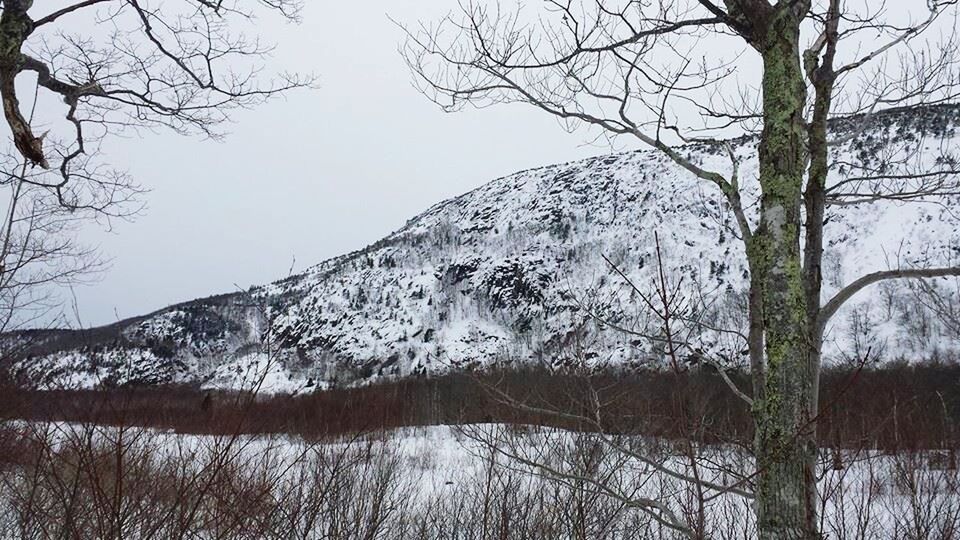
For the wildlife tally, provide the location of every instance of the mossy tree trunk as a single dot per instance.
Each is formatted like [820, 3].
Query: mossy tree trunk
[786, 312]
[784, 405]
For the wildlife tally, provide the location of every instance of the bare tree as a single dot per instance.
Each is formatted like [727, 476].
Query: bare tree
[682, 482]
[667, 72]
[183, 65]
[38, 250]
[99, 68]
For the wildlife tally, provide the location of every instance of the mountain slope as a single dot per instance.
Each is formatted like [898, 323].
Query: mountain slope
[522, 270]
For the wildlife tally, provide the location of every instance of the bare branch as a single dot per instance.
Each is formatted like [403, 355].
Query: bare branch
[834, 304]
[67, 10]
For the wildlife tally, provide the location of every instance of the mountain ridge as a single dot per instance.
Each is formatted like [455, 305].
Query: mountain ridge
[511, 271]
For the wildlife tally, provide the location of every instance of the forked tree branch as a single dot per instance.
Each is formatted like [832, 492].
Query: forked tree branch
[183, 65]
[936, 9]
[831, 307]
[601, 57]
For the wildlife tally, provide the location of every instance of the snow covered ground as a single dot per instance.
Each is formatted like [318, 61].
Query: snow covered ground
[481, 481]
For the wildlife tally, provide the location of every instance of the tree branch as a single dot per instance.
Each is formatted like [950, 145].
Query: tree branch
[69, 9]
[46, 79]
[831, 307]
[935, 11]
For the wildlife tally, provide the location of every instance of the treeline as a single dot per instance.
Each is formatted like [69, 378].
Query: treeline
[897, 407]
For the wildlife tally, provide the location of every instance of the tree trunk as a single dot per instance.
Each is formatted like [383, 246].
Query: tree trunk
[15, 26]
[785, 436]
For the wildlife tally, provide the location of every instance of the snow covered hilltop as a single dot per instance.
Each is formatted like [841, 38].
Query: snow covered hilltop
[517, 271]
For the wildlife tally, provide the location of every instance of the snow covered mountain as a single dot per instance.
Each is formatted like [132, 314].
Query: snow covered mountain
[527, 268]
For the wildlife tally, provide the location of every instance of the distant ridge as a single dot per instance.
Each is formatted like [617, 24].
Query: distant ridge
[512, 272]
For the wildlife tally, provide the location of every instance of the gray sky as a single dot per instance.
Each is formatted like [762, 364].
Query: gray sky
[327, 171]
[314, 175]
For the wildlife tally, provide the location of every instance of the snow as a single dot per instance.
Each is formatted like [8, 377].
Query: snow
[513, 272]
[870, 496]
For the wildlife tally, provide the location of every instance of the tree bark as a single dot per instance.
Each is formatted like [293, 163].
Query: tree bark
[15, 26]
[785, 438]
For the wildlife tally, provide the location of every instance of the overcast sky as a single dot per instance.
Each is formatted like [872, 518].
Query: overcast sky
[324, 171]
[311, 176]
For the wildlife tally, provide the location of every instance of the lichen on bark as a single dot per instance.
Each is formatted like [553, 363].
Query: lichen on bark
[785, 497]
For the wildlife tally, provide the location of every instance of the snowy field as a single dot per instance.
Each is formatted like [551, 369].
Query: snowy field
[488, 481]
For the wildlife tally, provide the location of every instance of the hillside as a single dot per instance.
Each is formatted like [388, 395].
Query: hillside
[515, 272]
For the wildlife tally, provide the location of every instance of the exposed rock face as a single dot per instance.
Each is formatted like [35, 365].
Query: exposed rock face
[514, 272]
